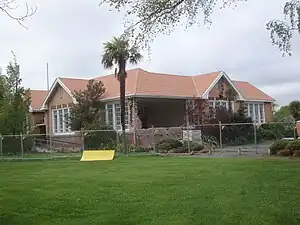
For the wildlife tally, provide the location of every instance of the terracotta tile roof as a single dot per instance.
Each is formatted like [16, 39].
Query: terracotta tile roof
[74, 83]
[142, 83]
[202, 82]
[155, 84]
[250, 92]
[112, 84]
[37, 98]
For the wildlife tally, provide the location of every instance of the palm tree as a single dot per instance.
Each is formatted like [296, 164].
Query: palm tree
[118, 53]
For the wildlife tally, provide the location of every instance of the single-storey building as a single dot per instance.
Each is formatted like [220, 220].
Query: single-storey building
[155, 99]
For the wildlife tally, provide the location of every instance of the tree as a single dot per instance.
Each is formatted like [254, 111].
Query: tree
[283, 114]
[87, 113]
[118, 53]
[294, 108]
[157, 17]
[282, 31]
[14, 102]
[7, 6]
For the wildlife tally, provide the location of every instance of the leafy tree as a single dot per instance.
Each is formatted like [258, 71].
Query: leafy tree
[88, 112]
[118, 53]
[161, 17]
[294, 108]
[14, 101]
[7, 6]
[283, 114]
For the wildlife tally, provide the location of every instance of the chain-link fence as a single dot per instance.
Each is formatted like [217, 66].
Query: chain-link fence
[32, 146]
[224, 139]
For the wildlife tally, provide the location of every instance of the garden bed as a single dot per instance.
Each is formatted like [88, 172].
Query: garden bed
[286, 148]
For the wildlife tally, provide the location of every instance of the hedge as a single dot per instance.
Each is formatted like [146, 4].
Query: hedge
[279, 145]
[285, 145]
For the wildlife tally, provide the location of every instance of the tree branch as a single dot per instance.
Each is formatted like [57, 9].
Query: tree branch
[6, 6]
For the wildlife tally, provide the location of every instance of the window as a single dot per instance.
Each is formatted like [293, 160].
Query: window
[256, 112]
[257, 116]
[118, 115]
[113, 115]
[60, 120]
[262, 112]
[55, 121]
[220, 103]
[110, 115]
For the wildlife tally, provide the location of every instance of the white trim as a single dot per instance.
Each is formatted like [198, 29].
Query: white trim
[261, 116]
[65, 129]
[114, 122]
[211, 86]
[222, 101]
[149, 96]
[30, 109]
[254, 100]
[57, 81]
[64, 134]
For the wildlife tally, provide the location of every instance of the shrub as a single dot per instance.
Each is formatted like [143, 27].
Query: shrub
[105, 139]
[142, 149]
[285, 152]
[194, 146]
[279, 145]
[169, 144]
[296, 153]
[180, 150]
[294, 145]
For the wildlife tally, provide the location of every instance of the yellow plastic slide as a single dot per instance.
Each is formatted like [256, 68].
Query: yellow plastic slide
[95, 155]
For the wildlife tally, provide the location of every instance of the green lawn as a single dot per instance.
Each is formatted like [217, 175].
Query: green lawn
[151, 190]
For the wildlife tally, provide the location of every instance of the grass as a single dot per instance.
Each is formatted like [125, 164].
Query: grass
[151, 190]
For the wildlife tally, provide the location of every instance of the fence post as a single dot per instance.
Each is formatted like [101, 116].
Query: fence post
[153, 138]
[134, 136]
[220, 128]
[82, 138]
[1, 139]
[50, 142]
[295, 129]
[188, 137]
[22, 146]
[255, 138]
[117, 140]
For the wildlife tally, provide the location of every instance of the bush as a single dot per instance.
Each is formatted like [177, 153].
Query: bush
[142, 149]
[169, 144]
[105, 139]
[296, 153]
[285, 152]
[279, 145]
[180, 150]
[294, 145]
[194, 147]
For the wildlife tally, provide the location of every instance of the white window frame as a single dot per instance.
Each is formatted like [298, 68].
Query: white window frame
[66, 129]
[116, 126]
[222, 101]
[261, 118]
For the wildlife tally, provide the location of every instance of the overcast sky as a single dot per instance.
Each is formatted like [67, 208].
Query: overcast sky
[69, 35]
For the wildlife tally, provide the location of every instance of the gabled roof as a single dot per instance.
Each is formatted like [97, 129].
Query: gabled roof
[37, 97]
[142, 83]
[250, 92]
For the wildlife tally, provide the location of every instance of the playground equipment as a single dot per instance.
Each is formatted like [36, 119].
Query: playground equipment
[95, 155]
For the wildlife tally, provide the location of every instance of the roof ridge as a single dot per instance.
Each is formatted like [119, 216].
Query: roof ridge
[74, 78]
[194, 82]
[112, 74]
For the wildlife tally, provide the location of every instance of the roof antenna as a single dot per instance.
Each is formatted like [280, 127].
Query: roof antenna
[47, 71]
